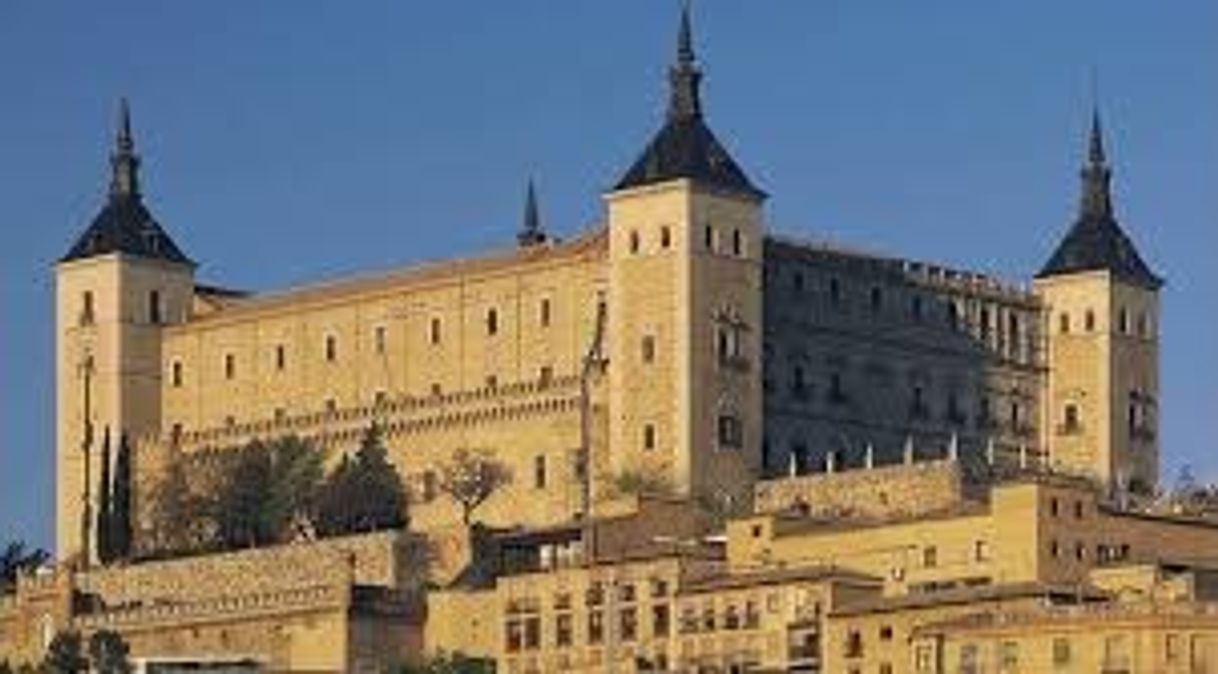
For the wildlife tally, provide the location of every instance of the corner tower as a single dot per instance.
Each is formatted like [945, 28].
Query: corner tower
[685, 246]
[119, 284]
[1103, 347]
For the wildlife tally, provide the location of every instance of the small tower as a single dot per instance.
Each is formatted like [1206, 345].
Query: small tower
[1103, 350]
[685, 246]
[119, 284]
[531, 232]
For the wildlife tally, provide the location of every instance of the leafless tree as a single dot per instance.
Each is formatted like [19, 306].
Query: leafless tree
[471, 477]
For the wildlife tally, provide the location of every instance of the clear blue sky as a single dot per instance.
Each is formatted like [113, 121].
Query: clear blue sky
[285, 142]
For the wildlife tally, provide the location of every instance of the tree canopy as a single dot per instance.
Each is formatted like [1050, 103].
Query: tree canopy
[15, 557]
[472, 477]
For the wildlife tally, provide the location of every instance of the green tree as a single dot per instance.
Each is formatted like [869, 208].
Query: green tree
[363, 493]
[104, 510]
[296, 478]
[120, 503]
[65, 655]
[242, 503]
[109, 653]
[180, 519]
[472, 477]
[15, 558]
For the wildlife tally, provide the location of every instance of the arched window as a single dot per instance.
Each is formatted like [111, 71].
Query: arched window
[176, 373]
[230, 366]
[1089, 321]
[435, 333]
[492, 322]
[331, 348]
[1064, 323]
[665, 237]
[634, 241]
[737, 242]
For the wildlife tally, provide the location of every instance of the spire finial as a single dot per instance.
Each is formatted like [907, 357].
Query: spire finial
[685, 41]
[124, 164]
[1096, 199]
[684, 77]
[530, 233]
[1095, 151]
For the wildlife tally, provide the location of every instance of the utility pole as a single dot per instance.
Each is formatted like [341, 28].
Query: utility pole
[593, 360]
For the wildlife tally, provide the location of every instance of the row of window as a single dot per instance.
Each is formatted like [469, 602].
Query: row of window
[88, 313]
[1144, 328]
[1116, 654]
[729, 433]
[710, 240]
[988, 327]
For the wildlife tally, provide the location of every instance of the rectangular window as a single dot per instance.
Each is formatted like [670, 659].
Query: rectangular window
[378, 339]
[629, 623]
[544, 313]
[562, 630]
[649, 436]
[513, 636]
[176, 374]
[1008, 655]
[154, 307]
[434, 334]
[981, 551]
[648, 348]
[661, 620]
[380, 399]
[331, 406]
[1061, 651]
[545, 376]
[281, 357]
[532, 633]
[539, 472]
[930, 557]
[492, 322]
[230, 366]
[596, 627]
[331, 348]
[86, 308]
[731, 432]
[430, 486]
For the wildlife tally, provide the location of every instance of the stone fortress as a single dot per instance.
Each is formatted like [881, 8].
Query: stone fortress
[677, 339]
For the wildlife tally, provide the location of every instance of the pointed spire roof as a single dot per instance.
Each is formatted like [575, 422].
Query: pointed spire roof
[685, 147]
[1096, 241]
[124, 224]
[530, 233]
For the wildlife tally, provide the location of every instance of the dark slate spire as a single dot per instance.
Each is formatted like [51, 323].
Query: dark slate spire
[124, 224]
[530, 233]
[1096, 198]
[1096, 241]
[124, 163]
[685, 147]
[684, 78]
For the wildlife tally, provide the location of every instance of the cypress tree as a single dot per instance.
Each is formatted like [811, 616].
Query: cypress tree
[120, 503]
[105, 548]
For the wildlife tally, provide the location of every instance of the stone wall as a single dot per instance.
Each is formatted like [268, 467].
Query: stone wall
[882, 492]
[380, 559]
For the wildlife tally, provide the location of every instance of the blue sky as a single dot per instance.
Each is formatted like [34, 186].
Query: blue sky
[285, 142]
